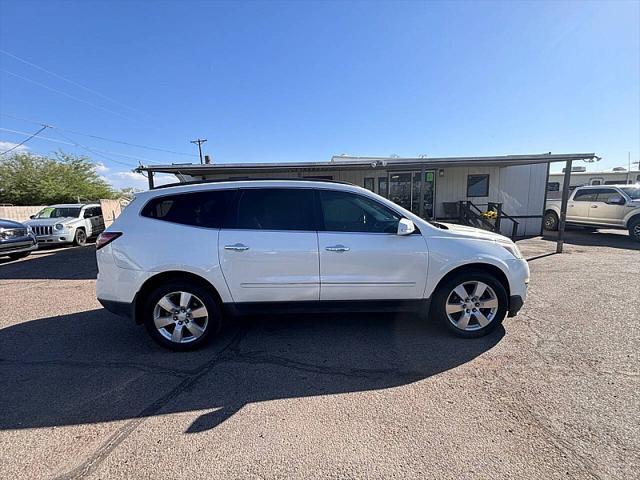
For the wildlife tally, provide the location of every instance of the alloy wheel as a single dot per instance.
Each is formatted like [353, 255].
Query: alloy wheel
[472, 306]
[180, 317]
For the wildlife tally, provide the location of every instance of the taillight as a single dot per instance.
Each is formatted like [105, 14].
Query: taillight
[105, 238]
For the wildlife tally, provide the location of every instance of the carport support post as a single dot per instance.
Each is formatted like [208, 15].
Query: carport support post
[150, 178]
[563, 206]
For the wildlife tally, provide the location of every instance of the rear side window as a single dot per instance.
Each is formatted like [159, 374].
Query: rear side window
[275, 209]
[201, 209]
[585, 195]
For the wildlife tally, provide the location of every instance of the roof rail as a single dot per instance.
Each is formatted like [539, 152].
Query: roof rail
[296, 179]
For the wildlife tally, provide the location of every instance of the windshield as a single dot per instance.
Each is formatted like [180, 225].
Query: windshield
[632, 192]
[58, 212]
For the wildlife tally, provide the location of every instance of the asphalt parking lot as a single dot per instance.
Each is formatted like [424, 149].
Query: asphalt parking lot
[553, 394]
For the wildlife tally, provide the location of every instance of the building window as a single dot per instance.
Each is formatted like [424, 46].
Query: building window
[369, 183]
[553, 186]
[318, 177]
[478, 186]
[382, 187]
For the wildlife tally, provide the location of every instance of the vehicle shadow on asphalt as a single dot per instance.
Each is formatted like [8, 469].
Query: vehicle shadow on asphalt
[68, 263]
[606, 238]
[94, 367]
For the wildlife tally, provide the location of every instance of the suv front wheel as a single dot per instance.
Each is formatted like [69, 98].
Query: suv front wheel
[471, 304]
[181, 316]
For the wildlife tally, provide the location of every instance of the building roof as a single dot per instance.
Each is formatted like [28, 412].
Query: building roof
[344, 162]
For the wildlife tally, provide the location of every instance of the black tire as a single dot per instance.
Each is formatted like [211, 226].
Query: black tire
[634, 229]
[18, 256]
[439, 303]
[550, 221]
[80, 238]
[202, 295]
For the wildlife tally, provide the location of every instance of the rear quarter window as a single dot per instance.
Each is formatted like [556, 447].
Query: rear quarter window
[200, 209]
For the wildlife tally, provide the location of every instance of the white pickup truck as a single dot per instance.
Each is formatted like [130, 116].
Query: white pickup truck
[598, 206]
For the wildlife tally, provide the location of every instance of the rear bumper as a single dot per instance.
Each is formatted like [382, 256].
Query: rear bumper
[122, 309]
[515, 304]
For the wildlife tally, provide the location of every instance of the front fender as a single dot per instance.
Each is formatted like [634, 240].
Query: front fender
[445, 256]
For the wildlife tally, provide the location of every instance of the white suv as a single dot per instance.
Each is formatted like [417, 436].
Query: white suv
[180, 257]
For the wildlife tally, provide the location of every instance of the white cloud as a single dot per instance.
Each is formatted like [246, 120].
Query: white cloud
[128, 179]
[101, 167]
[4, 146]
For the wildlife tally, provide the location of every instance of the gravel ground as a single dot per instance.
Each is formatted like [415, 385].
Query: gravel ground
[554, 394]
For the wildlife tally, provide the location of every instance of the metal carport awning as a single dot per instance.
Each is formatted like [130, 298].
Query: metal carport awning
[344, 162]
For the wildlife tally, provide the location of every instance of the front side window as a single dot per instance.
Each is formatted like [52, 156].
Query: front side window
[275, 209]
[553, 187]
[200, 209]
[348, 212]
[604, 194]
[478, 186]
[585, 195]
[632, 192]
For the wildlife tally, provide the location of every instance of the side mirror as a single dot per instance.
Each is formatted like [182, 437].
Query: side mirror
[616, 200]
[406, 227]
[32, 217]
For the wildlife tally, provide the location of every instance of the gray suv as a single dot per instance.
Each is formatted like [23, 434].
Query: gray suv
[16, 240]
[600, 206]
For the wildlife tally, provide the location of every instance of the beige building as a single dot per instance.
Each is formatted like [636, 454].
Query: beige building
[453, 189]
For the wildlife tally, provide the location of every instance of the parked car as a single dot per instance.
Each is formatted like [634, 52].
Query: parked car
[611, 206]
[67, 223]
[16, 240]
[179, 257]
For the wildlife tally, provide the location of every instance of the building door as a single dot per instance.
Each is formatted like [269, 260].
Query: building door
[405, 190]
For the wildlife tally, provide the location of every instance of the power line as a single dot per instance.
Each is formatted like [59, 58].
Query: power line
[44, 127]
[49, 139]
[70, 81]
[98, 137]
[60, 92]
[93, 151]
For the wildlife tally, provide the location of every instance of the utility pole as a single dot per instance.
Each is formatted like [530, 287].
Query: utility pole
[199, 142]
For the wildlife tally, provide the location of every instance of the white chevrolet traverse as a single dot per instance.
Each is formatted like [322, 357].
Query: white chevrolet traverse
[180, 257]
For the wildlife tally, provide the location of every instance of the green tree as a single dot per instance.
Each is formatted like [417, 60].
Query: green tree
[27, 179]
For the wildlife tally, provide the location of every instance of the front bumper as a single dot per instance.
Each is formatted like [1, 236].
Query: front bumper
[64, 237]
[18, 246]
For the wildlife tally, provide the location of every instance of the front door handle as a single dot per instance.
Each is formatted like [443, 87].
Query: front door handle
[594, 206]
[337, 248]
[238, 247]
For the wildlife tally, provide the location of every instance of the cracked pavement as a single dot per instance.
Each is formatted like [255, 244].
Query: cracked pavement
[554, 394]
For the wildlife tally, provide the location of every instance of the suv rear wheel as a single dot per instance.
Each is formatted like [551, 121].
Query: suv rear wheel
[471, 304]
[181, 316]
[634, 229]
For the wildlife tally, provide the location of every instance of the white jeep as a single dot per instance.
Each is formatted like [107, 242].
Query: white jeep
[67, 223]
[599, 206]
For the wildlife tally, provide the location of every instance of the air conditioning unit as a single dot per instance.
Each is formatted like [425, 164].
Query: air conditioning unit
[576, 169]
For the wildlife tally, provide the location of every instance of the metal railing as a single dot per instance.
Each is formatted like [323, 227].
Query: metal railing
[472, 215]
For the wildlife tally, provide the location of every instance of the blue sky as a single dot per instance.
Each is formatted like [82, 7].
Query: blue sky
[301, 81]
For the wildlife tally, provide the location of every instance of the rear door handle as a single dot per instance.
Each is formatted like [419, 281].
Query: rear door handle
[337, 248]
[594, 206]
[237, 247]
